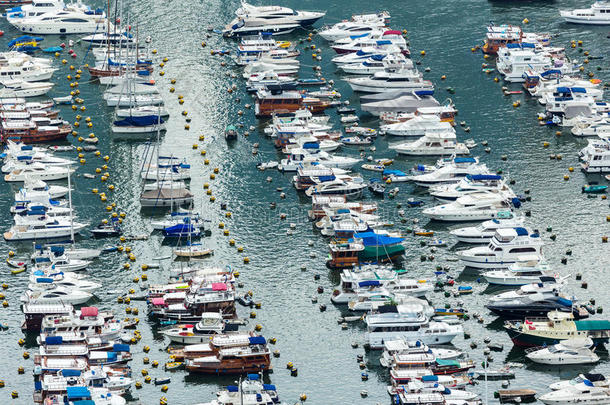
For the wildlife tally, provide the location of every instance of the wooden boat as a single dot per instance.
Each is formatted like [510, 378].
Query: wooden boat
[27, 132]
[253, 358]
[140, 69]
[516, 396]
[273, 101]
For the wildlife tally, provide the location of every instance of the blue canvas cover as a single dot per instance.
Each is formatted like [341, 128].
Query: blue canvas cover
[144, 121]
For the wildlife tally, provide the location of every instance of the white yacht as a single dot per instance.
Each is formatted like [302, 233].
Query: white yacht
[44, 158]
[407, 322]
[479, 206]
[569, 351]
[272, 13]
[504, 249]
[353, 281]
[472, 183]
[400, 79]
[39, 186]
[377, 63]
[57, 294]
[542, 285]
[402, 346]
[597, 14]
[598, 380]
[433, 144]
[452, 172]
[526, 270]
[46, 227]
[348, 29]
[483, 232]
[299, 156]
[570, 92]
[600, 129]
[247, 26]
[595, 156]
[350, 189]
[63, 280]
[251, 391]
[65, 21]
[25, 70]
[21, 88]
[364, 54]
[584, 393]
[373, 299]
[417, 126]
[38, 171]
[388, 38]
[38, 7]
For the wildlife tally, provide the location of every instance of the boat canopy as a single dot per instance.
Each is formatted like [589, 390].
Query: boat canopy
[144, 121]
[369, 283]
[89, 311]
[443, 362]
[564, 301]
[429, 378]
[219, 287]
[257, 340]
[588, 383]
[373, 239]
[388, 172]
[358, 36]
[571, 90]
[521, 231]
[68, 372]
[551, 72]
[392, 32]
[592, 325]
[269, 387]
[384, 42]
[232, 388]
[594, 377]
[78, 392]
[253, 377]
[513, 45]
[54, 340]
[484, 177]
[44, 280]
[386, 309]
[120, 347]
[377, 57]
[158, 301]
[464, 160]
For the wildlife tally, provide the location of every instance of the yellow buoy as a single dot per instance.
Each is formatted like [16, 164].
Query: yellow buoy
[422, 53]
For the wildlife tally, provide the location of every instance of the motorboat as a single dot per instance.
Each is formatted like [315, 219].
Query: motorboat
[350, 189]
[599, 128]
[65, 21]
[403, 79]
[417, 126]
[377, 63]
[57, 227]
[452, 172]
[569, 351]
[39, 278]
[583, 393]
[504, 249]
[248, 26]
[250, 391]
[61, 263]
[597, 14]
[271, 13]
[25, 70]
[36, 8]
[526, 270]
[56, 294]
[350, 29]
[77, 394]
[38, 171]
[39, 186]
[367, 300]
[483, 232]
[539, 303]
[61, 250]
[433, 144]
[598, 380]
[300, 156]
[364, 54]
[211, 323]
[402, 346]
[21, 88]
[472, 183]
[388, 38]
[397, 101]
[352, 281]
[595, 157]
[406, 322]
[479, 206]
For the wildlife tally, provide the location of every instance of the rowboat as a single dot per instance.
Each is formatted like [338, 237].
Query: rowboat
[423, 232]
[594, 188]
[18, 270]
[16, 263]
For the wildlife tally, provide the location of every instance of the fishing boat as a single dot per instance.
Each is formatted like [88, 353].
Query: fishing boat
[557, 327]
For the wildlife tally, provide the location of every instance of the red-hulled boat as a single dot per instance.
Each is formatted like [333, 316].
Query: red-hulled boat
[27, 132]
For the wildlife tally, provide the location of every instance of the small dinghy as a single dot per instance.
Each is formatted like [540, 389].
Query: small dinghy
[412, 202]
[374, 168]
[594, 188]
[16, 263]
[162, 381]
[470, 143]
[356, 140]
[194, 250]
[464, 289]
[173, 365]
[106, 229]
[503, 373]
[393, 192]
[18, 270]
[89, 176]
[63, 100]
[437, 243]
[61, 148]
[230, 133]
[422, 232]
[345, 110]
[376, 187]
[267, 165]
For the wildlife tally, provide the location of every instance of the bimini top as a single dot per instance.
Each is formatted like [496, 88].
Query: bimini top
[464, 160]
[257, 340]
[592, 325]
[373, 239]
[571, 90]
[484, 177]
[521, 45]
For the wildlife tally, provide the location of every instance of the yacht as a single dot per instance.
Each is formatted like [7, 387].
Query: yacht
[569, 351]
[353, 281]
[388, 38]
[25, 70]
[595, 156]
[452, 172]
[472, 183]
[364, 54]
[540, 303]
[504, 249]
[56, 294]
[348, 29]
[211, 323]
[479, 206]
[66, 21]
[36, 8]
[38, 171]
[599, 128]
[39, 186]
[371, 300]
[433, 144]
[598, 380]
[402, 346]
[61, 263]
[377, 63]
[404, 79]
[407, 322]
[584, 393]
[556, 93]
[247, 26]
[299, 156]
[42, 279]
[397, 101]
[251, 391]
[597, 14]
[21, 88]
[417, 126]
[350, 189]
[47, 227]
[272, 13]
[483, 232]
[526, 270]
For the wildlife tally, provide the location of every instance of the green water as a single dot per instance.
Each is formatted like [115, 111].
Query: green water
[328, 371]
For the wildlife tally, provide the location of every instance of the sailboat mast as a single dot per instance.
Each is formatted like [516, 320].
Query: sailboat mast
[70, 205]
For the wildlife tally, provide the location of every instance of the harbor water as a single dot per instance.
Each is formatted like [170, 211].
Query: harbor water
[286, 254]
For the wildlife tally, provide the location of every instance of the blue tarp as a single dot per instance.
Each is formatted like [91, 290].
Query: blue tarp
[485, 177]
[257, 340]
[253, 377]
[369, 283]
[24, 38]
[464, 160]
[70, 372]
[571, 90]
[44, 280]
[384, 42]
[78, 392]
[359, 36]
[377, 57]
[269, 387]
[119, 347]
[564, 302]
[387, 172]
[232, 388]
[550, 72]
[429, 378]
[521, 231]
[144, 121]
[54, 340]
[373, 239]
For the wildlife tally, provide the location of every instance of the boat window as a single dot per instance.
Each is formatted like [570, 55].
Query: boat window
[523, 250]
